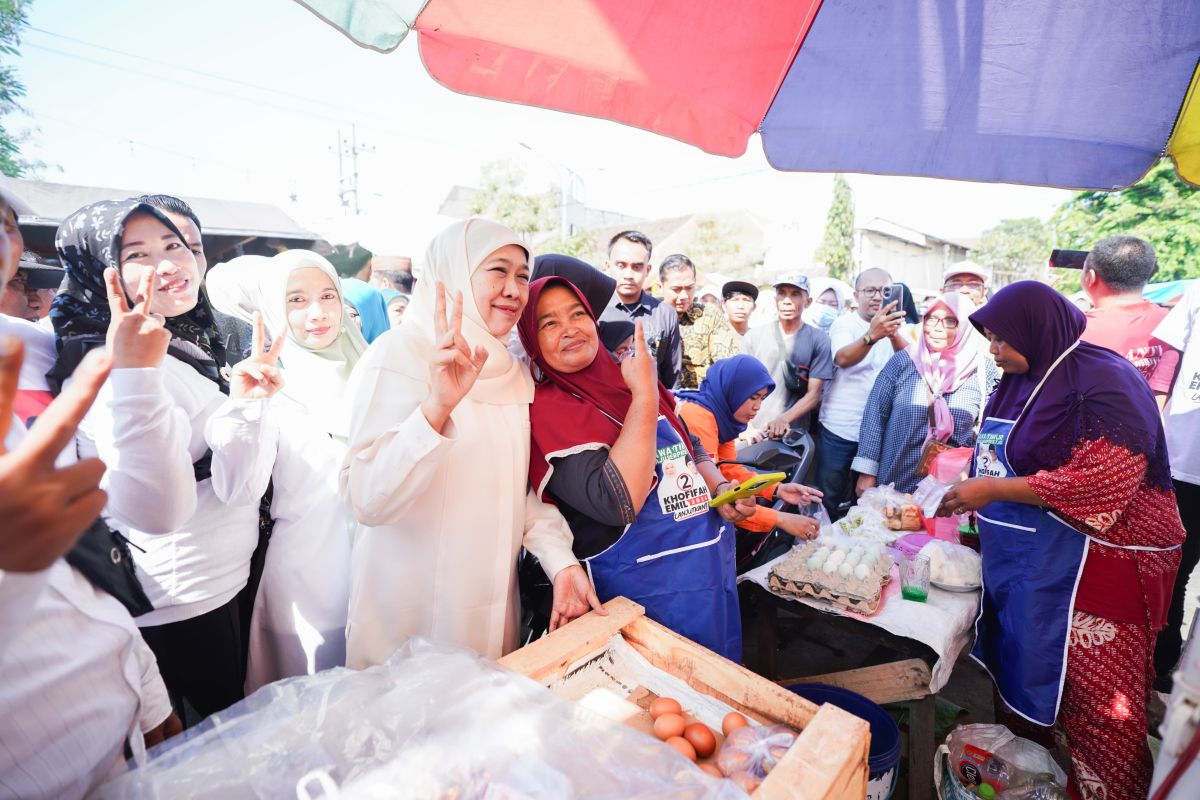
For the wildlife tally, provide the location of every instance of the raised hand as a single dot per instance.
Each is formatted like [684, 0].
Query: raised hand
[45, 508]
[638, 368]
[258, 377]
[453, 369]
[137, 338]
[886, 322]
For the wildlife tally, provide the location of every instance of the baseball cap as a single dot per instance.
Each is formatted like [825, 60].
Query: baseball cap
[797, 279]
[41, 276]
[967, 268]
[739, 287]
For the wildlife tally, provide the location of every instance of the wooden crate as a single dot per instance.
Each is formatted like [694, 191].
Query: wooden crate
[828, 760]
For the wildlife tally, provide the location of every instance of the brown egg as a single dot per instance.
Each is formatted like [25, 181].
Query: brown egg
[669, 725]
[682, 746]
[665, 705]
[712, 769]
[733, 720]
[701, 738]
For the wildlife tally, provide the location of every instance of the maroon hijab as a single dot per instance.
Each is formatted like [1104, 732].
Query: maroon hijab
[572, 411]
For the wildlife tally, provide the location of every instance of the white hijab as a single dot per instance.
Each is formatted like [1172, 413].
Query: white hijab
[233, 286]
[452, 257]
[314, 380]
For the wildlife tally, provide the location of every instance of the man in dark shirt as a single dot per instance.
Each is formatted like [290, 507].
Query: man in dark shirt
[629, 263]
[797, 356]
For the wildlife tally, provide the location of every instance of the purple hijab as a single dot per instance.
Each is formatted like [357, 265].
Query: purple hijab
[1094, 393]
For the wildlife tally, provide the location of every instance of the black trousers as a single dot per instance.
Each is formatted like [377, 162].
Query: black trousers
[202, 661]
[1170, 642]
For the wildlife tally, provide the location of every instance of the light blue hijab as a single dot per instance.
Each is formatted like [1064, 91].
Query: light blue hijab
[371, 307]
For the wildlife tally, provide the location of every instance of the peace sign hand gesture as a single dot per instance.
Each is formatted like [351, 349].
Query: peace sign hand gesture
[454, 368]
[136, 337]
[46, 508]
[258, 377]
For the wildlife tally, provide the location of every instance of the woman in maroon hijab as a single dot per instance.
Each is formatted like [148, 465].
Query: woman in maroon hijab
[609, 451]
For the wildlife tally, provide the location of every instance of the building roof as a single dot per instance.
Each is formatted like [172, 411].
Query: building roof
[53, 202]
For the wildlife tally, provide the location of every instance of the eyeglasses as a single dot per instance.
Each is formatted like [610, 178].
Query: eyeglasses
[947, 323]
[874, 291]
[953, 286]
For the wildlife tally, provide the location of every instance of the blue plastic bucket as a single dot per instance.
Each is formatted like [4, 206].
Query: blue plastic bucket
[884, 759]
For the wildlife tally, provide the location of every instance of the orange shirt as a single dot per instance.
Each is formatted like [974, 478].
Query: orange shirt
[703, 425]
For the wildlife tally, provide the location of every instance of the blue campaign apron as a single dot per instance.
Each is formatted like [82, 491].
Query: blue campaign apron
[1032, 563]
[677, 559]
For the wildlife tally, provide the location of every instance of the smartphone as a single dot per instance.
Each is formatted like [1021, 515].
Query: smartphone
[1068, 259]
[749, 488]
[899, 294]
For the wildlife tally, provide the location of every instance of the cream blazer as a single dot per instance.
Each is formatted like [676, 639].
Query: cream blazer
[444, 515]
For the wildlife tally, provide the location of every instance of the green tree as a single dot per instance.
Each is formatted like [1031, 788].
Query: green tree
[1015, 250]
[1160, 208]
[12, 20]
[582, 246]
[500, 199]
[837, 250]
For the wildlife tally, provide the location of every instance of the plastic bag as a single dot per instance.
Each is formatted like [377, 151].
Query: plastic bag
[992, 754]
[750, 753]
[434, 721]
[953, 564]
[951, 466]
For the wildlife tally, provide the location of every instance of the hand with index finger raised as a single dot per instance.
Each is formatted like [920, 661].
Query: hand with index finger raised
[136, 337]
[45, 508]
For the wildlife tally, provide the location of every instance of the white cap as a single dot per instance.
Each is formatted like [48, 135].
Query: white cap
[967, 268]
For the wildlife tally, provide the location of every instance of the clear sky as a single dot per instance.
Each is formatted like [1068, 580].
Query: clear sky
[244, 99]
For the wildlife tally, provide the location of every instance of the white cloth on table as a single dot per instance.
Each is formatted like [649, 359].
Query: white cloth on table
[945, 622]
[192, 550]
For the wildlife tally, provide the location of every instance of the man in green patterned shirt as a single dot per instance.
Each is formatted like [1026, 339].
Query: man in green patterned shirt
[704, 330]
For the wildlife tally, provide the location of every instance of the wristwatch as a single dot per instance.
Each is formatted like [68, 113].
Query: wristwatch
[867, 340]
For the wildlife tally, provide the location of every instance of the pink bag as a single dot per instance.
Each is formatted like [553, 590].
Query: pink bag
[949, 466]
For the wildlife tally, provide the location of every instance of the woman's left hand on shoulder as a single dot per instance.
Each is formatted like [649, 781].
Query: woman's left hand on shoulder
[969, 495]
[258, 377]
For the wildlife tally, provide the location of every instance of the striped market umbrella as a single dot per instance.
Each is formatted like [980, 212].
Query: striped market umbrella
[1071, 93]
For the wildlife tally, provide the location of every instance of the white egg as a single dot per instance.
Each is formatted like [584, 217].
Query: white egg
[868, 559]
[862, 571]
[854, 557]
[814, 562]
[845, 568]
[830, 567]
[837, 556]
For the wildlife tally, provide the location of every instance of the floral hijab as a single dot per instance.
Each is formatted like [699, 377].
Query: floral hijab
[88, 242]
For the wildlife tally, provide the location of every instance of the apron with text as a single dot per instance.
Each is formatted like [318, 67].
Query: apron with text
[1032, 563]
[677, 559]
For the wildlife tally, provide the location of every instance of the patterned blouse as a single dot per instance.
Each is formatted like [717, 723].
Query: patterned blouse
[895, 422]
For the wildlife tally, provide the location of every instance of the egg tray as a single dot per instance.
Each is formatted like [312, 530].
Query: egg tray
[806, 589]
[791, 576]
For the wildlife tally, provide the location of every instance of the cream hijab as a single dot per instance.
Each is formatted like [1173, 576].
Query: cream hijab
[315, 380]
[452, 257]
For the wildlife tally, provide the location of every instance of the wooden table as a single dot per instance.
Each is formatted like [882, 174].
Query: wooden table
[904, 679]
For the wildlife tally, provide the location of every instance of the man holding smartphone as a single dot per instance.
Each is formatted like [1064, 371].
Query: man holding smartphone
[861, 343]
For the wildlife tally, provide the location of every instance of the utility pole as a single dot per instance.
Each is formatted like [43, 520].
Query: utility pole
[348, 184]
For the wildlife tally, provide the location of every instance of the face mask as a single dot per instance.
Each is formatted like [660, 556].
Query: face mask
[822, 316]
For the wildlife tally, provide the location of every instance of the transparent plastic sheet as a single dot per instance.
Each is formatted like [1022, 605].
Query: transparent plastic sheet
[434, 721]
[751, 752]
[980, 751]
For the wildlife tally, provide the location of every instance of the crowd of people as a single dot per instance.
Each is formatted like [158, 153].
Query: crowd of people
[216, 477]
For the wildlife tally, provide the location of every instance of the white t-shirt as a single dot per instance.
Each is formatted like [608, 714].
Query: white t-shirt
[1181, 417]
[846, 397]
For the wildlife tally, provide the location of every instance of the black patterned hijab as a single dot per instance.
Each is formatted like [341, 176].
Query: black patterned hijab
[89, 241]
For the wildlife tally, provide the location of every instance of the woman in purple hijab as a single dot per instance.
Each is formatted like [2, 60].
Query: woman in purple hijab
[1079, 534]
